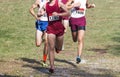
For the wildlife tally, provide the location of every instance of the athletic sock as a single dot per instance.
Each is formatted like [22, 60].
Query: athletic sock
[44, 57]
[78, 56]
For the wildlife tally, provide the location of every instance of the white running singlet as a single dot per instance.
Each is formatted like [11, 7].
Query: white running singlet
[78, 12]
[43, 17]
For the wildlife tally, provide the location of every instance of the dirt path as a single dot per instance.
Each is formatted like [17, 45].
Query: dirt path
[25, 67]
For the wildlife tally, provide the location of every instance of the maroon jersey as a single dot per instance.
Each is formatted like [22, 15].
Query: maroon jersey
[64, 1]
[64, 17]
[55, 25]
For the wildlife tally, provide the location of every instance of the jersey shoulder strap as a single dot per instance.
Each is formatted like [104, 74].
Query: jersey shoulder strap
[42, 2]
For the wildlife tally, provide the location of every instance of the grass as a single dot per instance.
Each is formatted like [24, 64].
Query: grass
[19, 56]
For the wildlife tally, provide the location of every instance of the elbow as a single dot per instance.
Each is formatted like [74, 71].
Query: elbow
[30, 10]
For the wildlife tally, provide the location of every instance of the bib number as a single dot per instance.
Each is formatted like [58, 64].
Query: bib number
[79, 12]
[53, 18]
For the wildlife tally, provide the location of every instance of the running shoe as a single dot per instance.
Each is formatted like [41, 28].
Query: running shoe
[51, 70]
[44, 64]
[78, 60]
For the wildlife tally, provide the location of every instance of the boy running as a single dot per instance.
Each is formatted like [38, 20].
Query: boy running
[55, 29]
[78, 22]
[41, 26]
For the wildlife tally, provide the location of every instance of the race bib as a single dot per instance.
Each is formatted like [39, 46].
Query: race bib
[53, 18]
[78, 11]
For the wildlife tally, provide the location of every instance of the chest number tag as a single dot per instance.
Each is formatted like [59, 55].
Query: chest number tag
[79, 12]
[53, 18]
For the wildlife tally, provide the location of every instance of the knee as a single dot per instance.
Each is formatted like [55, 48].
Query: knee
[74, 39]
[37, 45]
[52, 49]
[80, 41]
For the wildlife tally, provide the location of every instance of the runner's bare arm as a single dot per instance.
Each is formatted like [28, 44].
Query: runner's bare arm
[35, 5]
[70, 4]
[64, 8]
[66, 13]
[88, 5]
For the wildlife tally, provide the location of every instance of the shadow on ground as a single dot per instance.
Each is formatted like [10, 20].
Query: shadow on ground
[8, 76]
[39, 67]
[68, 71]
[98, 50]
[30, 60]
[82, 72]
[34, 64]
[115, 49]
[110, 48]
[67, 62]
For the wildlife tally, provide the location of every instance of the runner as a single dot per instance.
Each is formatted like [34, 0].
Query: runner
[55, 29]
[41, 26]
[78, 22]
[65, 20]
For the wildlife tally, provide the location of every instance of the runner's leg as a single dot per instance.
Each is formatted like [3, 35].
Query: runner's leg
[74, 36]
[45, 50]
[59, 43]
[38, 37]
[66, 24]
[80, 41]
[80, 45]
[51, 44]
